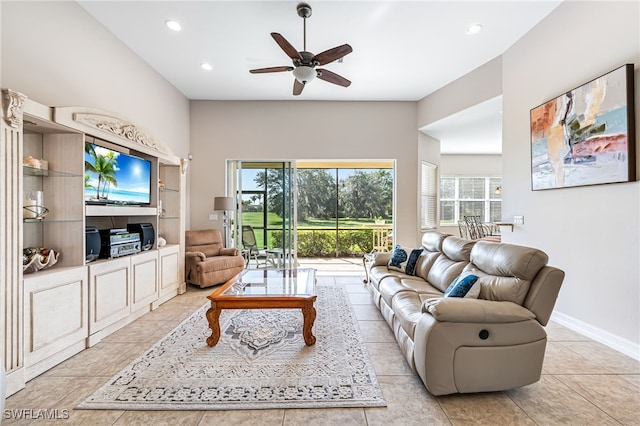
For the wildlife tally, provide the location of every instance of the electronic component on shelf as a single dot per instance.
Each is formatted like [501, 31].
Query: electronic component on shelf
[118, 242]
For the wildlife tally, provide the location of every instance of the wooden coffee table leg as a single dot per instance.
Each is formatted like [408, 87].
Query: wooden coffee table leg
[309, 314]
[213, 316]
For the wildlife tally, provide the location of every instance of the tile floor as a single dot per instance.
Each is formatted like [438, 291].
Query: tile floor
[583, 382]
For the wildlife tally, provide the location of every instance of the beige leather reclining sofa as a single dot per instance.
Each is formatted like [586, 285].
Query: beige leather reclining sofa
[464, 344]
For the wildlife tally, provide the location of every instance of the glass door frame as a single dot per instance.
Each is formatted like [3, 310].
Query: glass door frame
[286, 255]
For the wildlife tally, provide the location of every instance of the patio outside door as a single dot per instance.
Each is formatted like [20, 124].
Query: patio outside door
[265, 194]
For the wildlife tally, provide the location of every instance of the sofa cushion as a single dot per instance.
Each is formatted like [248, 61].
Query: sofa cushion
[404, 259]
[505, 271]
[432, 241]
[425, 262]
[390, 286]
[465, 285]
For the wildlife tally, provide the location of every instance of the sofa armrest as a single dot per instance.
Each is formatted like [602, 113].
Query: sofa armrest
[381, 258]
[232, 251]
[455, 309]
[195, 255]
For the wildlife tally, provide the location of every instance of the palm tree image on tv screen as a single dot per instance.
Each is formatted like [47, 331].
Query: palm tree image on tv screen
[113, 177]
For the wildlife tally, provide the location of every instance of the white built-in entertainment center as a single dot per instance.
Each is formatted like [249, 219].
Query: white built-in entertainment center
[51, 314]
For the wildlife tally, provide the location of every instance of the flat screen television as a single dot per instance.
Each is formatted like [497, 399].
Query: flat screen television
[113, 177]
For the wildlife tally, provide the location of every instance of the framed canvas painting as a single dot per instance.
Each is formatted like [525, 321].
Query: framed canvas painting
[585, 136]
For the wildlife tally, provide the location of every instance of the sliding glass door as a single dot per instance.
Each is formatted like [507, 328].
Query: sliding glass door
[265, 193]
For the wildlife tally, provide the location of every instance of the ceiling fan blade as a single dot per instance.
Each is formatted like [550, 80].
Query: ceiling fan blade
[297, 87]
[332, 77]
[286, 46]
[331, 55]
[271, 69]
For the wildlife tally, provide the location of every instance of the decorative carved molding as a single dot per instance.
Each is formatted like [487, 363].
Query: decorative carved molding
[12, 106]
[118, 127]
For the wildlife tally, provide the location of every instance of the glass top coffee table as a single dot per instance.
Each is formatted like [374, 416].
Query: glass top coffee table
[266, 289]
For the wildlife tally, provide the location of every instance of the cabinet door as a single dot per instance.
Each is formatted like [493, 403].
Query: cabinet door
[169, 269]
[55, 310]
[144, 270]
[109, 292]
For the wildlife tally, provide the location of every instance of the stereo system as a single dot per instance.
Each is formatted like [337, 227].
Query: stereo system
[118, 242]
[145, 230]
[92, 244]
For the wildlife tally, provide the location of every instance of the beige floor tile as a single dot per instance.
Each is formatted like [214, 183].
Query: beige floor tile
[159, 418]
[359, 298]
[243, 417]
[84, 417]
[376, 332]
[633, 379]
[492, 408]
[612, 360]
[367, 312]
[560, 333]
[408, 404]
[388, 360]
[356, 288]
[559, 359]
[551, 402]
[324, 417]
[94, 361]
[44, 393]
[616, 396]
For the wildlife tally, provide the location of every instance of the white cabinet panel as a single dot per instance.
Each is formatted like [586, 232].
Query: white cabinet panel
[144, 269]
[169, 269]
[55, 310]
[109, 292]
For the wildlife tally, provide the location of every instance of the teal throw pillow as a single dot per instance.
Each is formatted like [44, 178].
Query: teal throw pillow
[464, 286]
[404, 259]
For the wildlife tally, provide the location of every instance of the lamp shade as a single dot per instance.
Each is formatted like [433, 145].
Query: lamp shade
[223, 203]
[304, 74]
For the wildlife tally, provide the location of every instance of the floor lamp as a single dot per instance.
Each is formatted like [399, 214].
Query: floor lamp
[224, 204]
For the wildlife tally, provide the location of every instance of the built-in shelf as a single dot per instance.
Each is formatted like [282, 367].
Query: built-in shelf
[33, 171]
[43, 221]
[91, 210]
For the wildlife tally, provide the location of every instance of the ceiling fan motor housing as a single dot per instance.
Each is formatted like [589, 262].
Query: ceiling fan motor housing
[304, 10]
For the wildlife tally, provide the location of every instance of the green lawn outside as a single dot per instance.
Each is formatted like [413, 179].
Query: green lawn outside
[317, 237]
[274, 221]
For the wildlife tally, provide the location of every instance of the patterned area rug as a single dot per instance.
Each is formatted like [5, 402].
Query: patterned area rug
[260, 362]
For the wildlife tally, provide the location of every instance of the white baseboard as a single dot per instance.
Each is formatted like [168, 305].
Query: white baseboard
[615, 342]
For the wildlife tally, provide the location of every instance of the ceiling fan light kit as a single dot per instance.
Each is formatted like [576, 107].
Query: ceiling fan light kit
[304, 74]
[304, 62]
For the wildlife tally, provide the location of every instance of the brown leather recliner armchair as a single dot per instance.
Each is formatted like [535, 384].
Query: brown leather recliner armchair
[207, 262]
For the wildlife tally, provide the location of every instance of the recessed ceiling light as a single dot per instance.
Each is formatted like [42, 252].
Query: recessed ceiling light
[474, 29]
[206, 66]
[173, 25]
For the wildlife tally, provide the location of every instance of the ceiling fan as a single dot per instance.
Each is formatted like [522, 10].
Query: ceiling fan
[305, 63]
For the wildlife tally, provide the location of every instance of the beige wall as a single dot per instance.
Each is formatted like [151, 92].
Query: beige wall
[59, 55]
[591, 232]
[481, 84]
[290, 130]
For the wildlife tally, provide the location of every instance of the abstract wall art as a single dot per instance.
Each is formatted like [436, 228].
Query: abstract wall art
[586, 136]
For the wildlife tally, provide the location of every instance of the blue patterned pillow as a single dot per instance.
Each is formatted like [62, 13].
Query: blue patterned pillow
[464, 286]
[404, 259]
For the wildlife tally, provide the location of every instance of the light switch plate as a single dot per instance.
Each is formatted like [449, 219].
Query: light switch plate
[518, 220]
[213, 217]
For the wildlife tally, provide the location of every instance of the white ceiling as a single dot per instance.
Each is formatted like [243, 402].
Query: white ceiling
[402, 50]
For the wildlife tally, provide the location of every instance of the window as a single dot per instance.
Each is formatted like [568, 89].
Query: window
[428, 195]
[470, 196]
